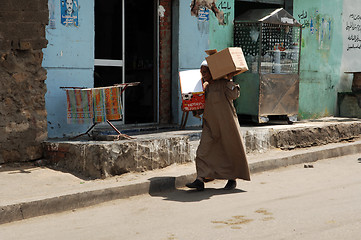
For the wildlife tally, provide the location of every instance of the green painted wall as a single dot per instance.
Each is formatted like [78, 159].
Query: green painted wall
[321, 56]
[221, 35]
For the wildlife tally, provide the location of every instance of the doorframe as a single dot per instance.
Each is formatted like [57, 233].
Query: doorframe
[121, 63]
[156, 50]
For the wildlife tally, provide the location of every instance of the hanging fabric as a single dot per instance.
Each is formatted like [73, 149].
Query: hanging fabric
[107, 104]
[79, 106]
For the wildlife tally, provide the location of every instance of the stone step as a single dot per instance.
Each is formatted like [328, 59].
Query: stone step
[149, 151]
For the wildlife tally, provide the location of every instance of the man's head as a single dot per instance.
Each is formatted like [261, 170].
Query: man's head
[206, 74]
[69, 6]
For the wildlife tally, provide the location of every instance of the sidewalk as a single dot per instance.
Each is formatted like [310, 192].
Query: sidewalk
[28, 191]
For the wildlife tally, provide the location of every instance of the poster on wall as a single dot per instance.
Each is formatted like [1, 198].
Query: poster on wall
[351, 37]
[200, 9]
[351, 61]
[69, 12]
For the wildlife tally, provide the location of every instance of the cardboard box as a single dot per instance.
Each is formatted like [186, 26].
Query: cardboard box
[192, 92]
[228, 61]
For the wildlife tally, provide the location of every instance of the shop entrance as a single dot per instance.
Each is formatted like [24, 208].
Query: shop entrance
[126, 51]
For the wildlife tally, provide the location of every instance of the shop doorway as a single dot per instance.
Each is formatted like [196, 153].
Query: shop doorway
[126, 51]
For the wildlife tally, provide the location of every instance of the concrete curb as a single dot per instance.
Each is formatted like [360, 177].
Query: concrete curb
[63, 203]
[306, 156]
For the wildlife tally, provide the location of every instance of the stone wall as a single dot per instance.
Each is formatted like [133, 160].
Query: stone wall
[23, 125]
[102, 159]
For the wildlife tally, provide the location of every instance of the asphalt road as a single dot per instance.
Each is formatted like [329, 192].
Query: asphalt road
[323, 202]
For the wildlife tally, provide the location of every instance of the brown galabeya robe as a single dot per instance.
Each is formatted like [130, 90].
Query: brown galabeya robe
[221, 153]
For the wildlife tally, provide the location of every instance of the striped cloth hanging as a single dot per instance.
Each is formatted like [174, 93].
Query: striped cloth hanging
[79, 106]
[107, 104]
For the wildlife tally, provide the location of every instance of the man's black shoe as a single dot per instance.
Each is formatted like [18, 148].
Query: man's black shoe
[198, 184]
[231, 184]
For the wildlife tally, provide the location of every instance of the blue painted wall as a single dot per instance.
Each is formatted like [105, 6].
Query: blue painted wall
[69, 60]
[69, 57]
[193, 40]
[197, 34]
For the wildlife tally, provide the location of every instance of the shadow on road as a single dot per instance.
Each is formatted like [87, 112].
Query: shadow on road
[180, 195]
[165, 187]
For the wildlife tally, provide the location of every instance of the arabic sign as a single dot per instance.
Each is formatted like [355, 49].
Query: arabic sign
[351, 36]
[353, 28]
[69, 12]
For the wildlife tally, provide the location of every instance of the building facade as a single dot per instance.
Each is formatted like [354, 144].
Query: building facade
[101, 43]
[104, 43]
[77, 43]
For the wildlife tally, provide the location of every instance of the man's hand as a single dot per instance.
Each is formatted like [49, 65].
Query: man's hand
[205, 84]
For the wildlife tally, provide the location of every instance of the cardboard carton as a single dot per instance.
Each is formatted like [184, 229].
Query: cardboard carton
[193, 97]
[226, 63]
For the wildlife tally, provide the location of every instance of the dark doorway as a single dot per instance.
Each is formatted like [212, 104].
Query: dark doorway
[128, 53]
[140, 60]
[242, 6]
[108, 42]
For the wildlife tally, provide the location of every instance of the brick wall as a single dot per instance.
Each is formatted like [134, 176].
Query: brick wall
[23, 125]
[165, 61]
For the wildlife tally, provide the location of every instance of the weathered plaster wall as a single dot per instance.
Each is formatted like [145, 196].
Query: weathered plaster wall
[221, 36]
[321, 55]
[351, 34]
[22, 87]
[69, 60]
[196, 34]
